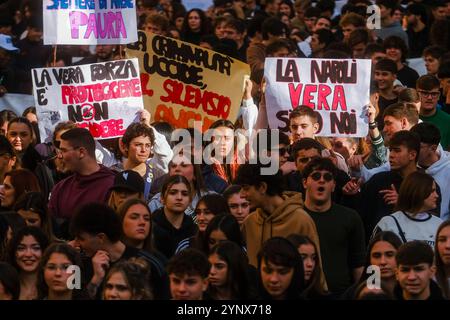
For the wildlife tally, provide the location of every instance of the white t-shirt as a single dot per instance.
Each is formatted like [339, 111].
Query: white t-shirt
[422, 226]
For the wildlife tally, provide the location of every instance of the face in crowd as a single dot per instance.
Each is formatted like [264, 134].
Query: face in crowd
[136, 223]
[187, 287]
[276, 279]
[319, 186]
[302, 127]
[239, 207]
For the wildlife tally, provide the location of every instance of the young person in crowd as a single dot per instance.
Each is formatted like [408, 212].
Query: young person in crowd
[381, 252]
[415, 272]
[32, 207]
[97, 231]
[90, 182]
[21, 135]
[170, 224]
[280, 270]
[188, 273]
[25, 253]
[136, 224]
[428, 88]
[340, 229]
[137, 143]
[239, 206]
[127, 185]
[378, 196]
[54, 273]
[442, 257]
[9, 282]
[311, 267]
[8, 158]
[276, 214]
[303, 152]
[16, 183]
[229, 278]
[304, 122]
[223, 227]
[128, 280]
[431, 56]
[413, 220]
[385, 75]
[182, 165]
[10, 223]
[207, 208]
[436, 163]
[397, 51]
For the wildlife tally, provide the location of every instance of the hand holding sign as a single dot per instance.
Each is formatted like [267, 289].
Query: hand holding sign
[338, 89]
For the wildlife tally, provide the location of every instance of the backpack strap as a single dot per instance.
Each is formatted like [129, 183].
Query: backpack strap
[400, 230]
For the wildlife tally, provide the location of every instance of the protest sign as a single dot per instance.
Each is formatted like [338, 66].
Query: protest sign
[183, 83]
[86, 22]
[337, 89]
[102, 97]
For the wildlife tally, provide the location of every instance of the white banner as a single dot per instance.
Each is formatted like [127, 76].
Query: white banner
[337, 89]
[102, 97]
[86, 22]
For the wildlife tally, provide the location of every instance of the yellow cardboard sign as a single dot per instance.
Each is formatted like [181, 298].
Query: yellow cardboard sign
[183, 83]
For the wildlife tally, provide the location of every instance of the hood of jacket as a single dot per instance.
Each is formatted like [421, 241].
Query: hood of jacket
[293, 201]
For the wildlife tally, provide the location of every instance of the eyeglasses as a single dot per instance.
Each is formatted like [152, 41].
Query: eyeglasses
[433, 94]
[317, 175]
[54, 267]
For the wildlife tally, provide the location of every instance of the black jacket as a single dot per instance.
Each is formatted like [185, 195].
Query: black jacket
[166, 236]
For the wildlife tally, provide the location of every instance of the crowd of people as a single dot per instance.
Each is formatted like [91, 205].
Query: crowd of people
[135, 218]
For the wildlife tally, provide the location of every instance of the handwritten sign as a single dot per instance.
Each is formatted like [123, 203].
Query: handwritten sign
[86, 22]
[337, 89]
[183, 83]
[102, 97]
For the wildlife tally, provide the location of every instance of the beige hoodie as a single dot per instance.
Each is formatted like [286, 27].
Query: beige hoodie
[289, 218]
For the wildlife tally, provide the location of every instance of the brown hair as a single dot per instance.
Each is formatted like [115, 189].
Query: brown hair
[302, 111]
[136, 130]
[403, 110]
[413, 191]
[409, 95]
[23, 180]
[160, 21]
[354, 19]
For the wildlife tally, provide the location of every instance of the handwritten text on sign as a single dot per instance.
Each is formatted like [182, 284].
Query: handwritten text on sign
[89, 21]
[337, 89]
[183, 83]
[103, 97]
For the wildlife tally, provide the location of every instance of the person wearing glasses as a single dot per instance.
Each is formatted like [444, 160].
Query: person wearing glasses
[277, 213]
[428, 89]
[304, 122]
[90, 181]
[340, 229]
[53, 277]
